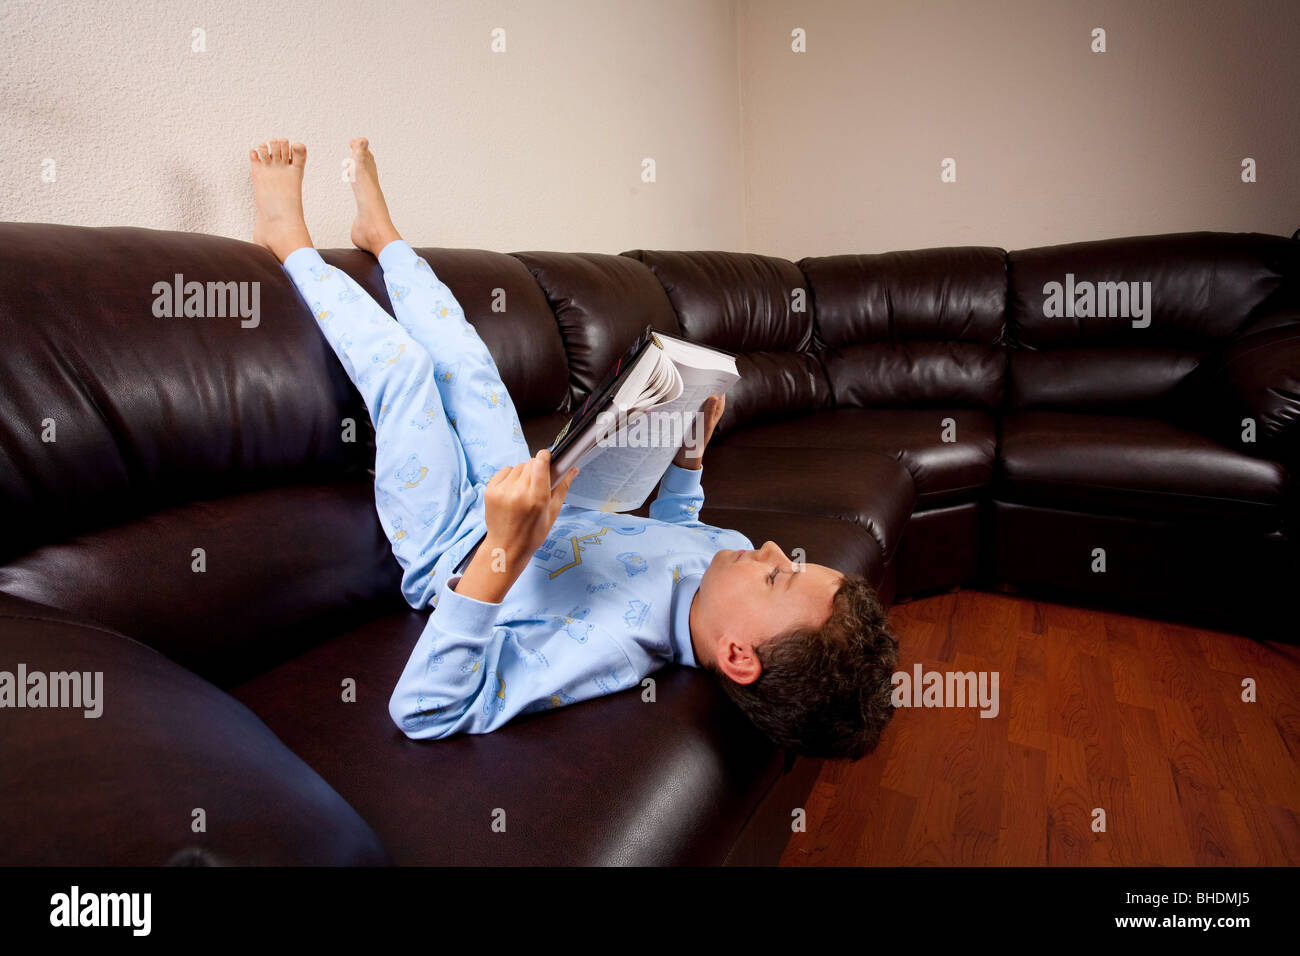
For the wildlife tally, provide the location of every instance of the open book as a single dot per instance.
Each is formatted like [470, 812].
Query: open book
[632, 425]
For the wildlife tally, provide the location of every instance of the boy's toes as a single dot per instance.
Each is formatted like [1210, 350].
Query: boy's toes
[264, 152]
[253, 157]
[298, 153]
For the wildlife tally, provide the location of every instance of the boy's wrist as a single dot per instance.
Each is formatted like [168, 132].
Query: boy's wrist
[504, 556]
[492, 571]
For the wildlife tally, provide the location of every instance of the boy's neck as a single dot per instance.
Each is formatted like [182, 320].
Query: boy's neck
[696, 647]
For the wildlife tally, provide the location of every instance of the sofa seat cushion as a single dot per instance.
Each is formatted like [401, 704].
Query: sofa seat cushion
[583, 784]
[116, 779]
[1143, 467]
[945, 472]
[281, 568]
[853, 485]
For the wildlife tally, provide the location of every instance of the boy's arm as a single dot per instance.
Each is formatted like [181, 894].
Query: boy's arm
[447, 668]
[680, 495]
[520, 507]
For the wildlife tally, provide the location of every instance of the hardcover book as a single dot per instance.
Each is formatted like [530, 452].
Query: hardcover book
[630, 427]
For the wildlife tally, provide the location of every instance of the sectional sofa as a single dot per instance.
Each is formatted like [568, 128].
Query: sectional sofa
[187, 509]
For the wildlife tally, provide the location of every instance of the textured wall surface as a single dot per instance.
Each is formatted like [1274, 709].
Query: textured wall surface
[756, 147]
[1052, 142]
[539, 147]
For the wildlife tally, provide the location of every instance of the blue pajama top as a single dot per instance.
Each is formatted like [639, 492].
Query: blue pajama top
[603, 603]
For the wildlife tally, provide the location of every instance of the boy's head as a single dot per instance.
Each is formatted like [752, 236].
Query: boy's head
[807, 654]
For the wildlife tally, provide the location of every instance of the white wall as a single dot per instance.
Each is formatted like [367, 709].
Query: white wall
[539, 147]
[757, 148]
[1053, 143]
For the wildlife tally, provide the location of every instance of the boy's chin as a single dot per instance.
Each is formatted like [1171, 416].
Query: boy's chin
[713, 564]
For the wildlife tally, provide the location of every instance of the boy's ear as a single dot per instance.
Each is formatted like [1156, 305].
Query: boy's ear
[737, 658]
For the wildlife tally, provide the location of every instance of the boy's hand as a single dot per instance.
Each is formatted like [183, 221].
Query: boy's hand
[710, 412]
[520, 506]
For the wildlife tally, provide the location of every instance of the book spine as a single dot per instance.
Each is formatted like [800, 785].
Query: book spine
[598, 395]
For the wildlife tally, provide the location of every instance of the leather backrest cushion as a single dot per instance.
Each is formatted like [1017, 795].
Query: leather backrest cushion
[1255, 379]
[757, 307]
[228, 587]
[1120, 380]
[1203, 288]
[506, 308]
[921, 327]
[110, 411]
[600, 303]
[1188, 293]
[120, 788]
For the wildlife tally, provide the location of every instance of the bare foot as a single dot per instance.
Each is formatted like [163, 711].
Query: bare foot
[373, 228]
[276, 168]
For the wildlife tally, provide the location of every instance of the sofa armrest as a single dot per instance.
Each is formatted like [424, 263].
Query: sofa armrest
[1257, 377]
[115, 748]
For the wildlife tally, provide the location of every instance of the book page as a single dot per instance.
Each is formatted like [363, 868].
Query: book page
[621, 476]
[693, 355]
[606, 468]
[646, 381]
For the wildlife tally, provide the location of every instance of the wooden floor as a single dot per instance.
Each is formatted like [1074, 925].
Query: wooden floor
[1140, 718]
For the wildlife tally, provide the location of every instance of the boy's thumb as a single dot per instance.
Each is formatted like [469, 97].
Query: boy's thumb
[562, 488]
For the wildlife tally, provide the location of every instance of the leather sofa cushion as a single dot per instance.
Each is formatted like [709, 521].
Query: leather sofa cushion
[916, 327]
[1256, 377]
[1205, 286]
[774, 385]
[570, 793]
[951, 294]
[945, 473]
[739, 301]
[120, 789]
[284, 568]
[601, 304]
[910, 374]
[872, 490]
[756, 307]
[1121, 381]
[1198, 290]
[1143, 467]
[149, 411]
[540, 430]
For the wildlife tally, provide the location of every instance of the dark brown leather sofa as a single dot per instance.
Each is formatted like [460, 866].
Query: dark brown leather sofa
[913, 416]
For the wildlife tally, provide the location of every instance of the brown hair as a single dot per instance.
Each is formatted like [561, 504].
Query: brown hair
[825, 691]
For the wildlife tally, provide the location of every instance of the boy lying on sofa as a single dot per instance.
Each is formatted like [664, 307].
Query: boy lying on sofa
[558, 604]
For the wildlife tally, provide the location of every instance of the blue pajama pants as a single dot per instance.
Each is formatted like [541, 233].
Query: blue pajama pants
[444, 422]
